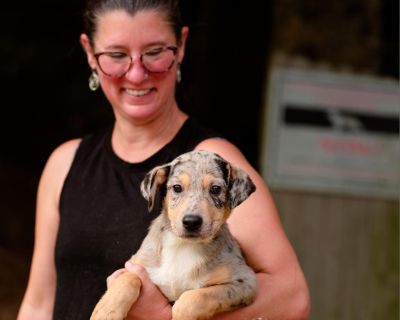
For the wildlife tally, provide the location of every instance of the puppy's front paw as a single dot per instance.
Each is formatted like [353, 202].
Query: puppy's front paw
[107, 311]
[118, 299]
[190, 306]
[179, 312]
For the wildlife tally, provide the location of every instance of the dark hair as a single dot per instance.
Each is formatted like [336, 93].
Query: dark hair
[94, 8]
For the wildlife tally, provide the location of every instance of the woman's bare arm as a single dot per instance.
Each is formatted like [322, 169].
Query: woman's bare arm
[282, 289]
[39, 297]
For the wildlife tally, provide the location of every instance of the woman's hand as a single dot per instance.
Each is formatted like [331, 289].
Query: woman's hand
[151, 304]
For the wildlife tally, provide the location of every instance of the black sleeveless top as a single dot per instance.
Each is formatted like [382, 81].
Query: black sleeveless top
[103, 216]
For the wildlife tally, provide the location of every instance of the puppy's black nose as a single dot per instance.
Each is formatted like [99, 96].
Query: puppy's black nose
[192, 222]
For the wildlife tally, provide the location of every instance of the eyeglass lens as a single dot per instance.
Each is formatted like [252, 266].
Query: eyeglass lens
[117, 64]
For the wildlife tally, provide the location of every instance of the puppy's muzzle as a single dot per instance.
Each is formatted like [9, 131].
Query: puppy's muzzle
[192, 223]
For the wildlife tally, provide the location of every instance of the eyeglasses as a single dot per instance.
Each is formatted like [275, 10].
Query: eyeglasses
[156, 60]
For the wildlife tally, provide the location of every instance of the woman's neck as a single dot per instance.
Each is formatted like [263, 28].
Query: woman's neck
[137, 142]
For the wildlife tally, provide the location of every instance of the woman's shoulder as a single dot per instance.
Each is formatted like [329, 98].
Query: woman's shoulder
[65, 152]
[53, 176]
[225, 149]
[60, 160]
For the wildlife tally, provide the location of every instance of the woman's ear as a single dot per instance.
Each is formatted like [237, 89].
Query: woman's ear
[85, 42]
[184, 35]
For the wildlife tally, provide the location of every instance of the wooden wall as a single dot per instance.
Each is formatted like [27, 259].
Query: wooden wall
[348, 248]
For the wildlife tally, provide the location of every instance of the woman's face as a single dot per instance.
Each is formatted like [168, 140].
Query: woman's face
[138, 95]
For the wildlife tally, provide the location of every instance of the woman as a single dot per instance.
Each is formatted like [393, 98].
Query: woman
[90, 215]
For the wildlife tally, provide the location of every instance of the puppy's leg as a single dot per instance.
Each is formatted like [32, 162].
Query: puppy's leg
[118, 299]
[203, 303]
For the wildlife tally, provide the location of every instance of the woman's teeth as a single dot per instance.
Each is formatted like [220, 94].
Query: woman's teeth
[137, 93]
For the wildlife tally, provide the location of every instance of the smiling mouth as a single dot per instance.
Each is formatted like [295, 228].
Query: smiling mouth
[137, 93]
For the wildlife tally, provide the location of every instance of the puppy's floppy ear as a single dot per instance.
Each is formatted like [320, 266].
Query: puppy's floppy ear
[240, 186]
[152, 183]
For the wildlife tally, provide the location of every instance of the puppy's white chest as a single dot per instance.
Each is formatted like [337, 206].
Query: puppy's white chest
[177, 271]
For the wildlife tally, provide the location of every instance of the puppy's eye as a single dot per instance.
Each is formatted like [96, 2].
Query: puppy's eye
[177, 188]
[215, 190]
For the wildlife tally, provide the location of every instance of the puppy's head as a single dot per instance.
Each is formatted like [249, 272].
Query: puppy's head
[201, 190]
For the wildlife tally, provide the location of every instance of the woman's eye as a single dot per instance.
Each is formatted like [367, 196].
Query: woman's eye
[153, 52]
[117, 55]
[177, 188]
[215, 190]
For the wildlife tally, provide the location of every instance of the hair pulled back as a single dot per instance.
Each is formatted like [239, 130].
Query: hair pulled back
[94, 8]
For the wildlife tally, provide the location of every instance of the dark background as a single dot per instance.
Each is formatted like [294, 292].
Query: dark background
[44, 74]
[231, 46]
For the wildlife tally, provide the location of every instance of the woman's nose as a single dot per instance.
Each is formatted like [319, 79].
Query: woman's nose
[137, 73]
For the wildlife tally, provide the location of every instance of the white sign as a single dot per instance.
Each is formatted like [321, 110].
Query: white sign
[332, 132]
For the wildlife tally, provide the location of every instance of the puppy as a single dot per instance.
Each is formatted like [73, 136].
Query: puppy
[189, 252]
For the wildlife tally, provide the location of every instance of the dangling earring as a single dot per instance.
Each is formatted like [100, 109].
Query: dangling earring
[178, 73]
[94, 82]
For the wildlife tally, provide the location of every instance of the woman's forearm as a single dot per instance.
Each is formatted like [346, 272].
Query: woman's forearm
[30, 312]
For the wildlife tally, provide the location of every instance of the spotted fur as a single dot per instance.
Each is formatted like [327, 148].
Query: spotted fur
[189, 252]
